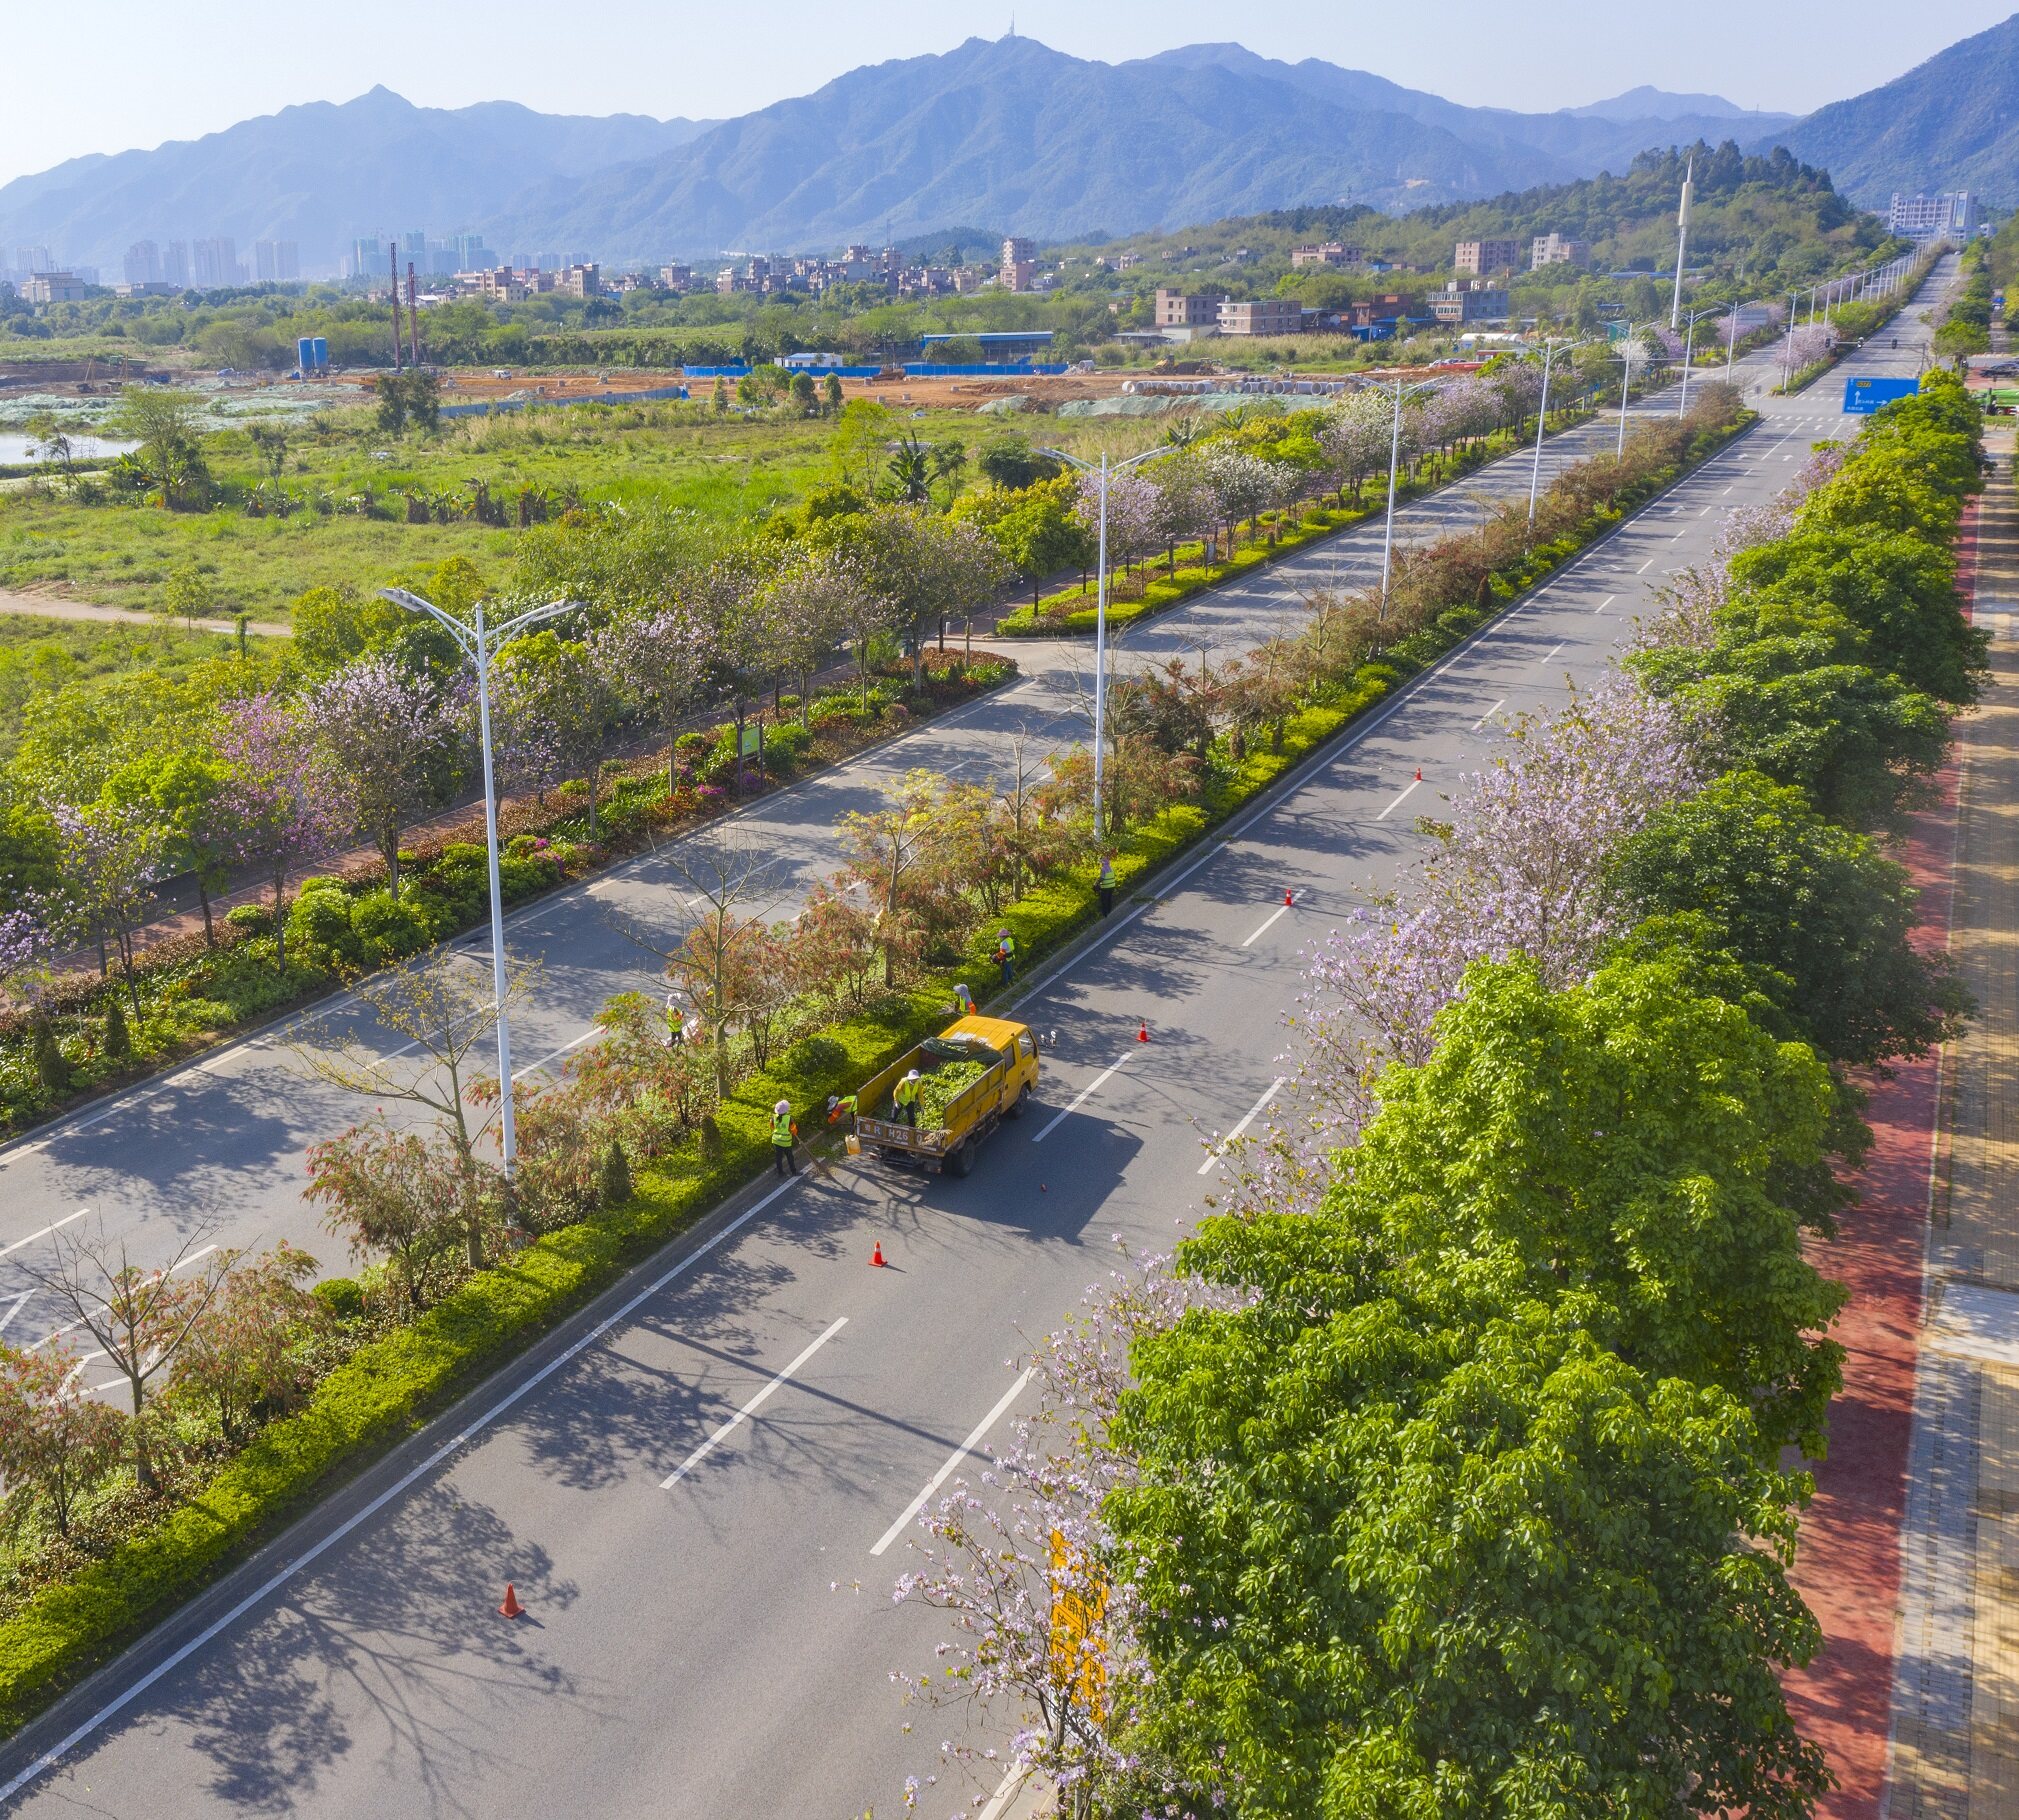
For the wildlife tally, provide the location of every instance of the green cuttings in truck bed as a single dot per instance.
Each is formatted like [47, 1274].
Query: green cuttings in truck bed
[939, 1089]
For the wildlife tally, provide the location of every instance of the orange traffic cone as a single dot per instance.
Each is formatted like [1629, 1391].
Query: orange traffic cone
[511, 1607]
[1143, 1032]
[1289, 896]
[876, 1257]
[1419, 774]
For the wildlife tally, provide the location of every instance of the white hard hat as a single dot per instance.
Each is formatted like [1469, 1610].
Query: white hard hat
[912, 1076]
[782, 1106]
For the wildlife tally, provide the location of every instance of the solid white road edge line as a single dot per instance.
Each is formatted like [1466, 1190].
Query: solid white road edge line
[1080, 1100]
[316, 1550]
[1400, 800]
[20, 1302]
[1269, 922]
[953, 1459]
[998, 1803]
[1489, 714]
[1253, 1113]
[749, 1409]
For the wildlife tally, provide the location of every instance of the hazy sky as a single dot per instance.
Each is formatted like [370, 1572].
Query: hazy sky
[153, 73]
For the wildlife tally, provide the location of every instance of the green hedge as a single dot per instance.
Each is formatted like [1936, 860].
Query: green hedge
[386, 1390]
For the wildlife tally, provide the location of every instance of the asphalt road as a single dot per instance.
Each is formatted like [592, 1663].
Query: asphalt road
[212, 1153]
[684, 1655]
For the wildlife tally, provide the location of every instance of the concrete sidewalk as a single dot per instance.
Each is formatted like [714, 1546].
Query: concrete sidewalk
[1956, 1699]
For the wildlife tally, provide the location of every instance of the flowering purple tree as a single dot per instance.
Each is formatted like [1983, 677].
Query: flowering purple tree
[1021, 1559]
[108, 856]
[1519, 870]
[663, 659]
[388, 736]
[284, 801]
[1135, 507]
[1802, 347]
[1354, 437]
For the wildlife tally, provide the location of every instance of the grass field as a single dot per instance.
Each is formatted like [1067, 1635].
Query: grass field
[43, 654]
[727, 472]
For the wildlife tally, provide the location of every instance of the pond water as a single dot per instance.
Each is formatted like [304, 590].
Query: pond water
[16, 450]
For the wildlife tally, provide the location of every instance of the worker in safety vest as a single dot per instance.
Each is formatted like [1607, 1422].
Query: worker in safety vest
[904, 1099]
[783, 1132]
[676, 1021]
[1006, 954]
[839, 1106]
[963, 1001]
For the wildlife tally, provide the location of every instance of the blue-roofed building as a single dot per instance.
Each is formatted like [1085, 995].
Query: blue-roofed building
[995, 344]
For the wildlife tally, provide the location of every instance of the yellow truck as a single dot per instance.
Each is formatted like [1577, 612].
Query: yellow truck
[1007, 1055]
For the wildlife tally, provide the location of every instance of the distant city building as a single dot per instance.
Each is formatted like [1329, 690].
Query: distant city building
[1019, 263]
[1474, 302]
[499, 284]
[810, 362]
[142, 264]
[1176, 310]
[1332, 253]
[53, 287]
[1388, 308]
[276, 261]
[366, 258]
[1951, 215]
[175, 264]
[28, 260]
[1553, 249]
[677, 277]
[214, 263]
[143, 288]
[1484, 257]
[582, 280]
[1261, 316]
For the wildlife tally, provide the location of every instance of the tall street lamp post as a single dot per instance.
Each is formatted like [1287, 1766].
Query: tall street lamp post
[1103, 468]
[1689, 353]
[1550, 350]
[1401, 391]
[480, 644]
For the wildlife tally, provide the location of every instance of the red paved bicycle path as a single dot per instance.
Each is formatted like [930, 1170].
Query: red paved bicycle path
[1848, 1567]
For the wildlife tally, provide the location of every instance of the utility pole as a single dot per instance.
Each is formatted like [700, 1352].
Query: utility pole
[413, 319]
[393, 266]
[1682, 240]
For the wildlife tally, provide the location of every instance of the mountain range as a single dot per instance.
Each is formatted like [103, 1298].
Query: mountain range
[1008, 133]
[1950, 123]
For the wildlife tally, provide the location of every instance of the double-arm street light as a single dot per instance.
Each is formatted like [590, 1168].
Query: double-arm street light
[1401, 390]
[480, 644]
[1551, 347]
[1631, 349]
[1689, 352]
[1103, 468]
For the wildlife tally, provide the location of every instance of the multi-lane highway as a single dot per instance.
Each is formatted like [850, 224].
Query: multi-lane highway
[684, 1654]
[213, 1153]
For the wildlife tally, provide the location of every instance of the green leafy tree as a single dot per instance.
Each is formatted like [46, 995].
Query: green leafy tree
[168, 427]
[1620, 1146]
[1816, 915]
[187, 793]
[1386, 1568]
[188, 595]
